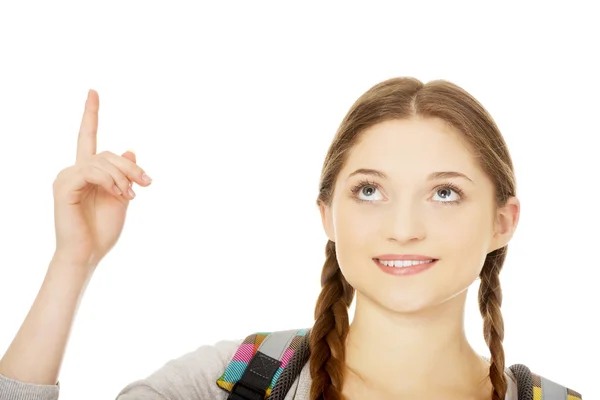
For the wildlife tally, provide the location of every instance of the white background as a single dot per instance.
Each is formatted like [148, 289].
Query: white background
[231, 109]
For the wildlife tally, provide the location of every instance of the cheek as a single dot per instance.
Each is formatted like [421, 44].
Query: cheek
[463, 235]
[356, 234]
[350, 232]
[357, 225]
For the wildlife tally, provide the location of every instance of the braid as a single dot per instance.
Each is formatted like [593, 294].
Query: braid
[490, 300]
[328, 335]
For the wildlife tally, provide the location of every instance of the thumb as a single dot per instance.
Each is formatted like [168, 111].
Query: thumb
[130, 155]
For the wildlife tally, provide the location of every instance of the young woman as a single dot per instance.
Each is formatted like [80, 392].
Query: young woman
[418, 200]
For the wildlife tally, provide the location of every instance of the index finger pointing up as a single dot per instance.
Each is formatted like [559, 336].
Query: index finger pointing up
[86, 142]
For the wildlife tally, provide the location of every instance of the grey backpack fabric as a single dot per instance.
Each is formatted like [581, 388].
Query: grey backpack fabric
[270, 371]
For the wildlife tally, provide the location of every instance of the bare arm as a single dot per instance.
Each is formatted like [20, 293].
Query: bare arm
[36, 353]
[91, 199]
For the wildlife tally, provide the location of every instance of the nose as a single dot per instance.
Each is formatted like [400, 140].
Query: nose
[404, 223]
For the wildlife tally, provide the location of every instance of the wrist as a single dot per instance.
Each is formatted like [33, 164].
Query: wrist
[69, 261]
[72, 269]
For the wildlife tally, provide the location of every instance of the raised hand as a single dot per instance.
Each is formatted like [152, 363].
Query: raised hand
[91, 197]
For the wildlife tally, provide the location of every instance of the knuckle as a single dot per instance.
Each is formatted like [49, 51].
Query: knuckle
[62, 176]
[108, 181]
[90, 173]
[130, 169]
[137, 171]
[86, 169]
[58, 180]
[105, 154]
[122, 181]
[105, 178]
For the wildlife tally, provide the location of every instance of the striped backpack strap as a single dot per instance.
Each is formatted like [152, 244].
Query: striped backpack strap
[266, 365]
[531, 386]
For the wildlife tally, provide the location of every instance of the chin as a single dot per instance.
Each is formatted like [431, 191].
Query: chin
[436, 288]
[407, 301]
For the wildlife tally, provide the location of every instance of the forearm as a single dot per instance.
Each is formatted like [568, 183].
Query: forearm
[37, 351]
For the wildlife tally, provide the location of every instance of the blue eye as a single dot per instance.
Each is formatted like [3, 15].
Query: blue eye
[448, 193]
[366, 191]
[369, 192]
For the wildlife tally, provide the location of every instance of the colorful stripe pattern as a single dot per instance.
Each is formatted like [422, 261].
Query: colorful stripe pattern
[538, 393]
[247, 350]
[251, 345]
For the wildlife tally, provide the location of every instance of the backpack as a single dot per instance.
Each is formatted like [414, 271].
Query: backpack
[266, 365]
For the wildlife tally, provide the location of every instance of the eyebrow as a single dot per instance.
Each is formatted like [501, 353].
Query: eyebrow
[430, 177]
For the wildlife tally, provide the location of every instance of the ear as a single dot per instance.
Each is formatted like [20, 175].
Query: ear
[327, 221]
[505, 224]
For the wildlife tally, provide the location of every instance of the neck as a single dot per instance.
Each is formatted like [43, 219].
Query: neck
[404, 353]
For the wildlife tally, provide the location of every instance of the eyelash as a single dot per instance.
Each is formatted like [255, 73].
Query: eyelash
[365, 182]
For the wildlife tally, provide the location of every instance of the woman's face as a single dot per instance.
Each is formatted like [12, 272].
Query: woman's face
[412, 187]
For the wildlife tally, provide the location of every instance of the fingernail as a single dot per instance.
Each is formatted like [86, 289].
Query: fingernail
[131, 193]
[117, 190]
[146, 178]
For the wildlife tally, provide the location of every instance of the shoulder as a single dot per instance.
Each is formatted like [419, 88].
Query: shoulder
[211, 372]
[190, 376]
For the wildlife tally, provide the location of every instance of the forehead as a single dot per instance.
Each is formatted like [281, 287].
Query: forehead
[415, 146]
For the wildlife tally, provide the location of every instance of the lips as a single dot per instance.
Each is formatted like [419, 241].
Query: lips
[394, 257]
[404, 264]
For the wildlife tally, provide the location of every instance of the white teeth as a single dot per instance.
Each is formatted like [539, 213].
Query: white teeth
[403, 263]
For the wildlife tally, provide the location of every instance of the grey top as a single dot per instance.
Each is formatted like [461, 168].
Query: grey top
[192, 376]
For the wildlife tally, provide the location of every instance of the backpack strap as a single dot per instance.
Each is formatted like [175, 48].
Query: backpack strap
[531, 386]
[265, 365]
